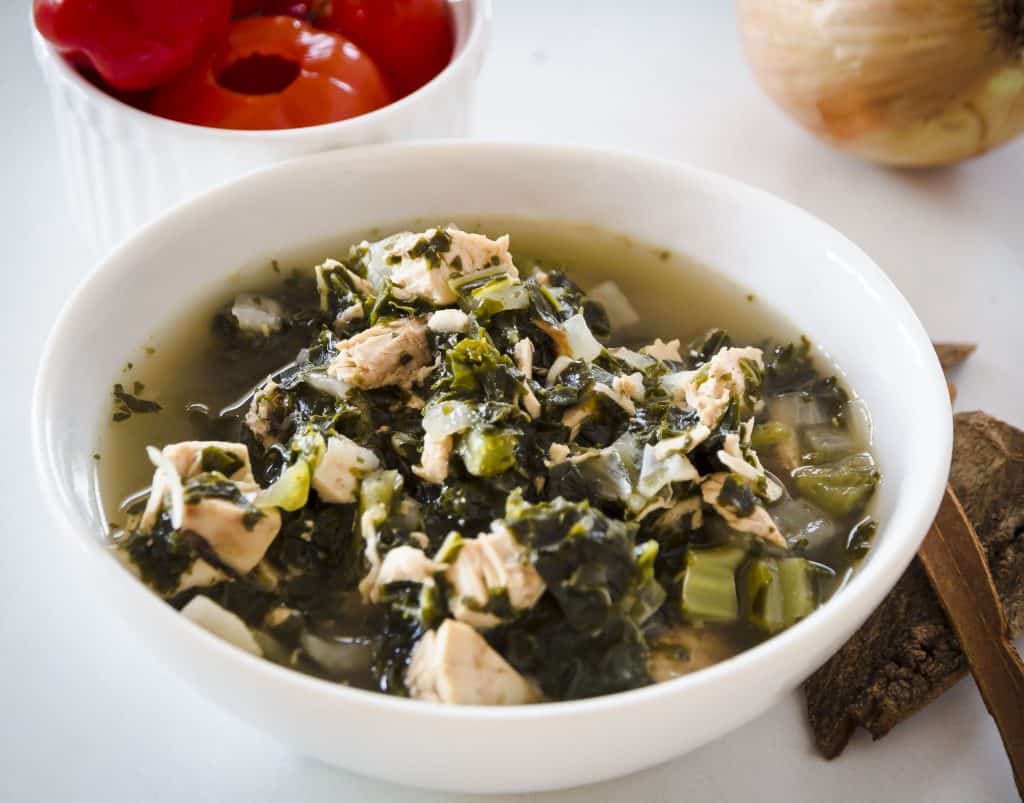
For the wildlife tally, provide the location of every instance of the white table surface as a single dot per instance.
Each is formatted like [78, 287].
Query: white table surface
[86, 714]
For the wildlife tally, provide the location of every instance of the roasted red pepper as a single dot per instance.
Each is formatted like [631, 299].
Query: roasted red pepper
[308, 10]
[275, 72]
[132, 44]
[411, 40]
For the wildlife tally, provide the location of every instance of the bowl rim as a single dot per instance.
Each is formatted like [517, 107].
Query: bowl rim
[468, 58]
[864, 591]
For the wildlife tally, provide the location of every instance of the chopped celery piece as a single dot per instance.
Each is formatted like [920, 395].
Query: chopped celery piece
[290, 491]
[799, 599]
[825, 442]
[488, 451]
[500, 295]
[649, 594]
[764, 607]
[709, 583]
[770, 433]
[843, 488]
[379, 488]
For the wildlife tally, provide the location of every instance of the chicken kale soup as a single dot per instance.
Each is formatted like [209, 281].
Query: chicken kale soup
[446, 472]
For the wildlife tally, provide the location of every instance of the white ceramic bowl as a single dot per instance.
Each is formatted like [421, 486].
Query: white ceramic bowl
[791, 260]
[123, 166]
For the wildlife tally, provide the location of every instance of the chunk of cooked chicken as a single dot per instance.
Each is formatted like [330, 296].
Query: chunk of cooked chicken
[393, 353]
[189, 459]
[237, 536]
[343, 465]
[491, 562]
[195, 457]
[759, 523]
[454, 664]
[236, 533]
[420, 264]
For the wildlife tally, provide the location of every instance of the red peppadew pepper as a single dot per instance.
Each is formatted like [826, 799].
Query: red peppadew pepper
[132, 44]
[411, 40]
[275, 72]
[308, 10]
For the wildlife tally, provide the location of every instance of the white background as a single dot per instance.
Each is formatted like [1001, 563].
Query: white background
[87, 715]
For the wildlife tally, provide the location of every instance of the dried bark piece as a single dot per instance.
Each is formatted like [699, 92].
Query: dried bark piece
[905, 655]
[952, 354]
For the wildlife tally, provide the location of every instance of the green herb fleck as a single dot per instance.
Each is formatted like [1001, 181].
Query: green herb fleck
[125, 403]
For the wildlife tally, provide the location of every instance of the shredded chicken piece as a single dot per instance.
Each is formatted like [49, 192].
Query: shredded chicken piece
[421, 275]
[691, 506]
[574, 417]
[759, 523]
[263, 409]
[661, 350]
[734, 458]
[386, 354]
[718, 382]
[524, 357]
[630, 385]
[433, 465]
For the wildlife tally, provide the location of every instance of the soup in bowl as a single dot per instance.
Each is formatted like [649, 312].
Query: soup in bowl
[562, 448]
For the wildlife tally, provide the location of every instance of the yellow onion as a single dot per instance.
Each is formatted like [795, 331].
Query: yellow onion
[904, 82]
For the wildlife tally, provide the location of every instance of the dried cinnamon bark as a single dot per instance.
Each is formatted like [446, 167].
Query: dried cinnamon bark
[905, 655]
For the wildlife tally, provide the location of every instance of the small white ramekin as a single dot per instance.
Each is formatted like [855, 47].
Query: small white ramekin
[123, 166]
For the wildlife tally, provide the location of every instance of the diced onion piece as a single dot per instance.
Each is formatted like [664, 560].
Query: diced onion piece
[858, 420]
[341, 656]
[172, 480]
[676, 384]
[616, 305]
[796, 411]
[634, 359]
[222, 623]
[327, 384]
[441, 419]
[581, 341]
[655, 474]
[448, 321]
[560, 364]
[258, 314]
